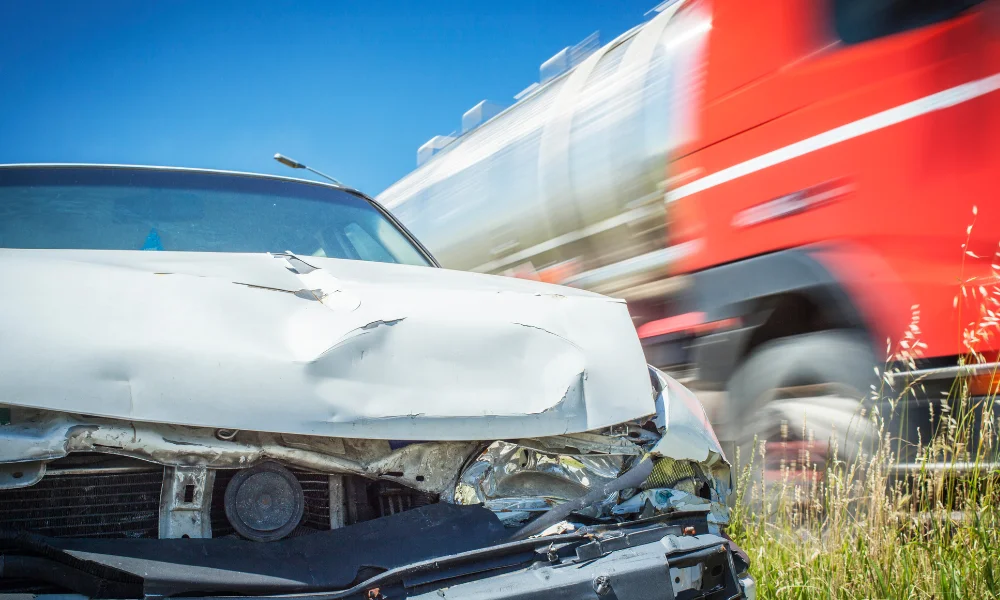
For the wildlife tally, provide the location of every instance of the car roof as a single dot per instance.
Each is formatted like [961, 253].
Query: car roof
[181, 169]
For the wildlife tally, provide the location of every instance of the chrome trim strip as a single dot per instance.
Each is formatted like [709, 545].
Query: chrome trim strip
[953, 371]
[99, 470]
[946, 466]
[656, 259]
[573, 236]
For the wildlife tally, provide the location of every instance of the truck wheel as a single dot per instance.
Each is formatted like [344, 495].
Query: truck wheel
[798, 394]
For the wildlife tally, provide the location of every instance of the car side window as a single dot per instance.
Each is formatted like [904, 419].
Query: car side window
[859, 21]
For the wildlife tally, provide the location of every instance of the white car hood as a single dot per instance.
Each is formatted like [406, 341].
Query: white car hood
[313, 346]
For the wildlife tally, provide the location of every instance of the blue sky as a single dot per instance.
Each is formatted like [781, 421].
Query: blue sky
[351, 88]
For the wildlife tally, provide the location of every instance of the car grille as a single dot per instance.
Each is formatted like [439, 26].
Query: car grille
[86, 505]
[125, 504]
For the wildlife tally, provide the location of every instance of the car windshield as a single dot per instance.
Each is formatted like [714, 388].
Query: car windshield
[114, 208]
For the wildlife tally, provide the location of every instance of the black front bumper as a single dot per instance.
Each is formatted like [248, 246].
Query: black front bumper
[668, 568]
[433, 552]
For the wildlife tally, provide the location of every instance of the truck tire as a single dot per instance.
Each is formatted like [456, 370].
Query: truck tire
[820, 379]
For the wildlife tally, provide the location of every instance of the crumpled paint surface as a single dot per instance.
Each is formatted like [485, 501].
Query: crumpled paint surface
[691, 434]
[518, 479]
[43, 436]
[313, 346]
[517, 482]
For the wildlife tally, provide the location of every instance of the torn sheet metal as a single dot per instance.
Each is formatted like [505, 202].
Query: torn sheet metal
[626, 440]
[313, 346]
[687, 471]
[186, 503]
[690, 433]
[34, 437]
[517, 482]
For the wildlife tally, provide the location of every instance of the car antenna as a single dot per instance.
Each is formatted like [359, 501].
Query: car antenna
[288, 162]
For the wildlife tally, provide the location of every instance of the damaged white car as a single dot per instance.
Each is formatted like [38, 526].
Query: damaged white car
[218, 384]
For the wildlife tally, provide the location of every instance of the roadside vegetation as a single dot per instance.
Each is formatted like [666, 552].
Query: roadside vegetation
[859, 528]
[860, 532]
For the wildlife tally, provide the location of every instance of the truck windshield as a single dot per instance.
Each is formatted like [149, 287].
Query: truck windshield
[121, 208]
[862, 20]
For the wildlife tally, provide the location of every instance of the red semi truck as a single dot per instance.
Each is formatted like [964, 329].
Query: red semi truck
[816, 175]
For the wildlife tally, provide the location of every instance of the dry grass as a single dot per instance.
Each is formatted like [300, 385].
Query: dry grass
[855, 530]
[860, 534]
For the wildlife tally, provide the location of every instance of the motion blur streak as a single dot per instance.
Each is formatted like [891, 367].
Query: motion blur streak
[574, 170]
[829, 173]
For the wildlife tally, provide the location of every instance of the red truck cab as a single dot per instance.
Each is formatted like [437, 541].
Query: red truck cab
[843, 150]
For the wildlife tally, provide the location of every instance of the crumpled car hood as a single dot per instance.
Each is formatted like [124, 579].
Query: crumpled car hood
[313, 346]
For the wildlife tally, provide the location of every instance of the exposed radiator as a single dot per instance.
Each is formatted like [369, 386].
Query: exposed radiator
[394, 498]
[316, 489]
[126, 504]
[88, 505]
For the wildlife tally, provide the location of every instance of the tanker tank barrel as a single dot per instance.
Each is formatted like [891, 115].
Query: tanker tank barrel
[567, 183]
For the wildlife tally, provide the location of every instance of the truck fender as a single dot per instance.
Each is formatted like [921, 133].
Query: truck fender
[768, 296]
